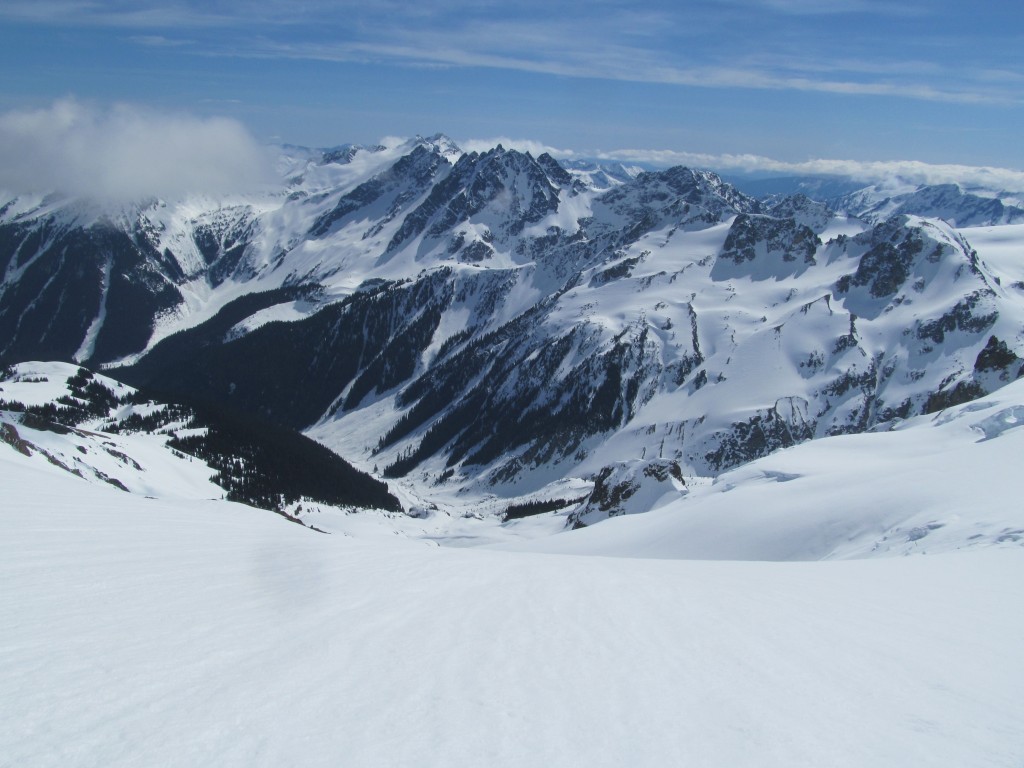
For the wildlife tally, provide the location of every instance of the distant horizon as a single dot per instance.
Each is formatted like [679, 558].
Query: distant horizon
[855, 81]
[132, 151]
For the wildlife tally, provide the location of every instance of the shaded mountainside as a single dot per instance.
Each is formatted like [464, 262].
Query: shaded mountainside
[255, 462]
[63, 281]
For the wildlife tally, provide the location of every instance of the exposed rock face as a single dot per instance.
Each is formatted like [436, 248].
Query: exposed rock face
[812, 214]
[764, 247]
[381, 198]
[629, 488]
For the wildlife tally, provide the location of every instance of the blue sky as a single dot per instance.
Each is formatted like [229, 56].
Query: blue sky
[792, 80]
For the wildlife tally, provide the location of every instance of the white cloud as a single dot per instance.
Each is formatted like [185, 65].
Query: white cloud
[870, 172]
[159, 41]
[125, 153]
[393, 142]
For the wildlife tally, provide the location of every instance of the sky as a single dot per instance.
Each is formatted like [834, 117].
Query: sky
[758, 84]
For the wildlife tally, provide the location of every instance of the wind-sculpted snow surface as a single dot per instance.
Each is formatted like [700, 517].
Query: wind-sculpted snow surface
[495, 322]
[159, 632]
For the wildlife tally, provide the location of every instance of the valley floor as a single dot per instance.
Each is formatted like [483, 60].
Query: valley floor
[150, 632]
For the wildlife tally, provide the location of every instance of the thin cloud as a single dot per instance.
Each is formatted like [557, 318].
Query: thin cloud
[829, 7]
[795, 8]
[873, 172]
[159, 41]
[45, 11]
[611, 41]
[124, 153]
[628, 64]
[116, 15]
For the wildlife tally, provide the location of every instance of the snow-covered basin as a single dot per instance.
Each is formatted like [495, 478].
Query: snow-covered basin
[937, 483]
[148, 632]
[1001, 248]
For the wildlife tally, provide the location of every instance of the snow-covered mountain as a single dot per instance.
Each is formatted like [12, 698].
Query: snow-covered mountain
[933, 484]
[953, 203]
[493, 323]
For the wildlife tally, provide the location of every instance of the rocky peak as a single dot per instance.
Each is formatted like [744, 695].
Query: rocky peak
[442, 145]
[502, 190]
[899, 248]
[393, 188]
[627, 488]
[600, 177]
[809, 213]
[555, 172]
[678, 197]
[763, 247]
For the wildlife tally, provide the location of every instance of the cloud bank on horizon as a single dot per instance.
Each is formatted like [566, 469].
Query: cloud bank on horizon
[869, 172]
[125, 152]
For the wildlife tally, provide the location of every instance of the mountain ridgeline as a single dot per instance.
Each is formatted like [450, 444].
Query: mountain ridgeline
[497, 321]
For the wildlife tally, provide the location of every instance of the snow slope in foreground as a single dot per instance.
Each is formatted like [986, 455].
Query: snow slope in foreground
[176, 633]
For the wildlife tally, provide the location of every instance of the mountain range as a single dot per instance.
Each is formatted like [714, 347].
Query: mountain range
[468, 324]
[640, 467]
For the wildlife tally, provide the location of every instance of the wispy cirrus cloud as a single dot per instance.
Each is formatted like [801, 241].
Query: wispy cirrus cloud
[835, 7]
[46, 11]
[159, 41]
[764, 45]
[627, 64]
[121, 14]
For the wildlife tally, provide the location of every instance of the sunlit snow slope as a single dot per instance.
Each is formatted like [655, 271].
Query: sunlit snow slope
[938, 483]
[152, 632]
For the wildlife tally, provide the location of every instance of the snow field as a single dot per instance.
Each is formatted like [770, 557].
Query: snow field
[936, 483]
[150, 632]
